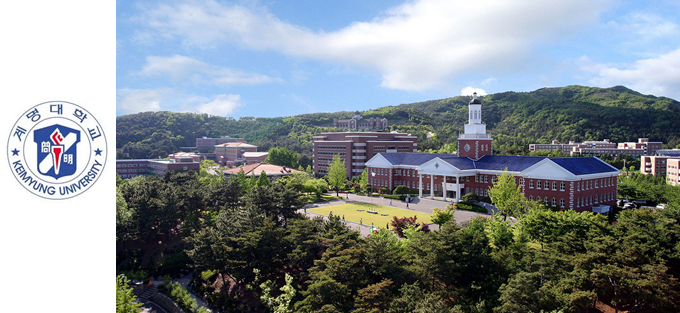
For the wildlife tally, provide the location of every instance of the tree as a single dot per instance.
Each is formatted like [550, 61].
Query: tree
[441, 217]
[363, 181]
[126, 301]
[263, 180]
[337, 174]
[507, 196]
[283, 157]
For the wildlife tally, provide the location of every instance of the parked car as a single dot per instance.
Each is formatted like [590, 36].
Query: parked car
[629, 205]
[661, 206]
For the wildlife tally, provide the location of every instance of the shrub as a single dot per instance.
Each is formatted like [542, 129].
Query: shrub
[400, 190]
[396, 197]
[470, 197]
[384, 191]
[401, 224]
[471, 207]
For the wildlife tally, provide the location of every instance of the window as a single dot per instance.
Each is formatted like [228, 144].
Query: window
[538, 198]
[531, 184]
[539, 184]
[597, 184]
[531, 198]
[521, 181]
[554, 185]
[554, 202]
[546, 185]
[561, 202]
[476, 178]
[486, 178]
[561, 186]
[494, 179]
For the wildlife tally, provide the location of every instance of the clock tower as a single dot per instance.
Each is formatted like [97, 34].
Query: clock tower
[475, 143]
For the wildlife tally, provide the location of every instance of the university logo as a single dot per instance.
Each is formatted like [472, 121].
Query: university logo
[56, 150]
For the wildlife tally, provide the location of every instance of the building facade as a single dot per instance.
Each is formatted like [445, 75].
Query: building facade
[232, 153]
[355, 148]
[581, 184]
[635, 149]
[272, 171]
[673, 171]
[359, 123]
[205, 144]
[654, 165]
[144, 167]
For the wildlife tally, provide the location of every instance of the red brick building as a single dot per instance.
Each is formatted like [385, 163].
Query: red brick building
[359, 123]
[581, 184]
[132, 168]
[206, 144]
[232, 153]
[355, 148]
[273, 171]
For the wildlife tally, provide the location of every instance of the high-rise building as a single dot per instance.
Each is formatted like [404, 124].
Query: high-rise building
[357, 147]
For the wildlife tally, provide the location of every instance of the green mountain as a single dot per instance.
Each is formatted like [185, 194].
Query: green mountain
[515, 119]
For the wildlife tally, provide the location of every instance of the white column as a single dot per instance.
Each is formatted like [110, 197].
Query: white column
[457, 189]
[444, 187]
[420, 185]
[431, 186]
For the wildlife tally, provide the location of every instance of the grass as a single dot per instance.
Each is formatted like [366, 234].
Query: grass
[352, 215]
[311, 198]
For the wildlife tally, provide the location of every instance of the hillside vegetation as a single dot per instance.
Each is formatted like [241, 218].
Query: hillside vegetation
[515, 119]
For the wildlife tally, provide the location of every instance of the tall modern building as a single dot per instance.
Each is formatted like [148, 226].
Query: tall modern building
[357, 147]
[581, 184]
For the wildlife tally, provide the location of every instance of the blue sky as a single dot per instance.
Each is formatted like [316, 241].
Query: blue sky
[283, 58]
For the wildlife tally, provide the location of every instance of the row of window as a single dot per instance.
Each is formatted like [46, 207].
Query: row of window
[543, 185]
[127, 165]
[333, 147]
[592, 200]
[342, 154]
[597, 183]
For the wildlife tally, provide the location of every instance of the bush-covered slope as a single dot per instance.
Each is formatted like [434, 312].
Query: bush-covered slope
[515, 119]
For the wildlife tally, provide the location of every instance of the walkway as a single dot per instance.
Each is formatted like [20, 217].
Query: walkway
[416, 205]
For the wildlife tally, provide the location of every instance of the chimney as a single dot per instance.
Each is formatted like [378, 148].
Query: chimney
[474, 95]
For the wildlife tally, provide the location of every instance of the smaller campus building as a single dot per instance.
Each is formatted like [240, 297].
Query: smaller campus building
[273, 171]
[359, 123]
[143, 167]
[665, 164]
[635, 149]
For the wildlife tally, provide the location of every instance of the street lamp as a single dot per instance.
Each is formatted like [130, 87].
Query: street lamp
[371, 194]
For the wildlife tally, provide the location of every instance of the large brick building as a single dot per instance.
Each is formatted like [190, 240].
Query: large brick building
[234, 153]
[139, 167]
[636, 149]
[359, 123]
[581, 184]
[664, 164]
[355, 148]
[206, 144]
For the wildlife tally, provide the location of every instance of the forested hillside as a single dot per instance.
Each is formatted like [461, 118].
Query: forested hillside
[515, 120]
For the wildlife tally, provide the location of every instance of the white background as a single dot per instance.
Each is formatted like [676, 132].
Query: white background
[58, 255]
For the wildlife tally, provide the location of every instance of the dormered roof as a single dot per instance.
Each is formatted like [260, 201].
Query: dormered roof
[575, 166]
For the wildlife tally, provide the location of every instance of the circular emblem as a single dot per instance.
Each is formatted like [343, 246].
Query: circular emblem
[56, 150]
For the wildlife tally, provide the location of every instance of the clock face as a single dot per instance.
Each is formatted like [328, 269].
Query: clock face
[467, 147]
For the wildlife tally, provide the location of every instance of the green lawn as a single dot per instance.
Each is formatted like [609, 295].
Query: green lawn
[352, 214]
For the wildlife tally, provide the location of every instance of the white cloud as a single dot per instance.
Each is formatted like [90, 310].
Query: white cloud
[221, 105]
[415, 46]
[488, 81]
[139, 100]
[658, 76]
[132, 101]
[468, 91]
[182, 68]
